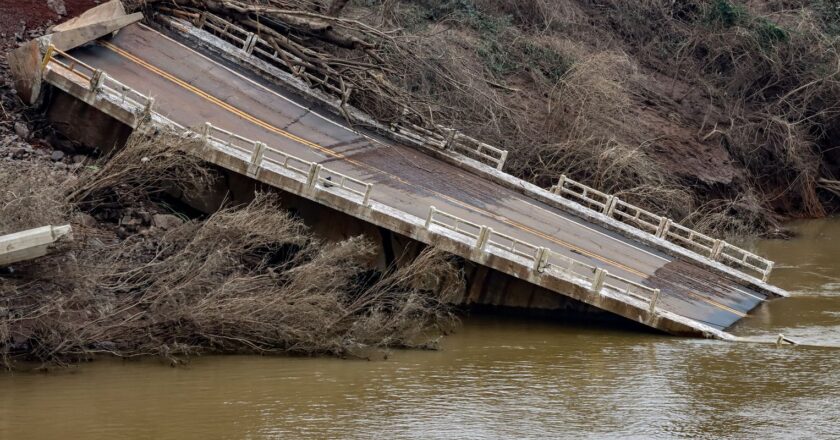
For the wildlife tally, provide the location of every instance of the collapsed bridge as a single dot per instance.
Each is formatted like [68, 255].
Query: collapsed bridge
[249, 112]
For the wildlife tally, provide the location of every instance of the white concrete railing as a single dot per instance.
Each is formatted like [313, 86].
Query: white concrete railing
[663, 227]
[253, 45]
[541, 259]
[96, 80]
[261, 154]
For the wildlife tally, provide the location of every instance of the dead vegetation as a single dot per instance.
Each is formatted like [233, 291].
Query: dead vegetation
[685, 107]
[247, 279]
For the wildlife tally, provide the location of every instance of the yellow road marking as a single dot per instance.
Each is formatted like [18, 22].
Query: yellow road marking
[291, 136]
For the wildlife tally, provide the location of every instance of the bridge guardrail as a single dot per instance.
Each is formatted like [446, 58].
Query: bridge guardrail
[663, 227]
[96, 80]
[542, 259]
[253, 45]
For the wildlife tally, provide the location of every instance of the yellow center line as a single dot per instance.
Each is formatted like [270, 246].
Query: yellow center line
[327, 151]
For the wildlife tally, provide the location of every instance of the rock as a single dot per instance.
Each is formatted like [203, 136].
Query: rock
[22, 130]
[85, 220]
[145, 217]
[57, 155]
[166, 221]
[79, 158]
[128, 220]
[57, 6]
[20, 153]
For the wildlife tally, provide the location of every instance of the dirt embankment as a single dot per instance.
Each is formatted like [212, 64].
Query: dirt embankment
[720, 113]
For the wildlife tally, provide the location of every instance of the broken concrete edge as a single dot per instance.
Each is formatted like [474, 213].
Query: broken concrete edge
[25, 60]
[94, 23]
[238, 56]
[31, 243]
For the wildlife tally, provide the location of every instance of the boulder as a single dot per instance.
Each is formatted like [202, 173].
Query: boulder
[166, 221]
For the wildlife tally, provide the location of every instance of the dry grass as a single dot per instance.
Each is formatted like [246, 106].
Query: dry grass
[31, 196]
[248, 279]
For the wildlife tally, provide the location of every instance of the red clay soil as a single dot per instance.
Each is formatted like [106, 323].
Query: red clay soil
[23, 15]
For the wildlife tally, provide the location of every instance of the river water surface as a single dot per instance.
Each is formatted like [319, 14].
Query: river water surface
[494, 378]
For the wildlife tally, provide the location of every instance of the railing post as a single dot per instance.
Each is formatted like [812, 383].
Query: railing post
[96, 80]
[449, 139]
[47, 57]
[664, 225]
[147, 109]
[366, 198]
[653, 301]
[205, 133]
[483, 237]
[256, 159]
[429, 217]
[609, 206]
[540, 259]
[598, 280]
[717, 249]
[502, 160]
[766, 275]
[250, 42]
[314, 170]
[202, 18]
[558, 189]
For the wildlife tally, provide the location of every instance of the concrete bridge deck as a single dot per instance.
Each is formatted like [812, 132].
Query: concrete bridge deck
[191, 88]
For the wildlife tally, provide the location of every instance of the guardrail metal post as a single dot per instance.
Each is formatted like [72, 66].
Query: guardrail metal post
[47, 57]
[653, 301]
[314, 171]
[366, 198]
[766, 275]
[256, 159]
[598, 280]
[662, 229]
[429, 217]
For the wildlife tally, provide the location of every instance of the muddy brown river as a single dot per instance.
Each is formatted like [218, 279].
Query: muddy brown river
[494, 378]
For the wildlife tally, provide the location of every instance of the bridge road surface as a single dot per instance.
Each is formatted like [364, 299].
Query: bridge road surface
[191, 89]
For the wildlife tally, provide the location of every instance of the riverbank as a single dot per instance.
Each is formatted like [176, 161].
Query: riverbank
[498, 377]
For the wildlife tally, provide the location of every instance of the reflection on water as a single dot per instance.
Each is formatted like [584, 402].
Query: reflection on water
[495, 378]
[808, 266]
